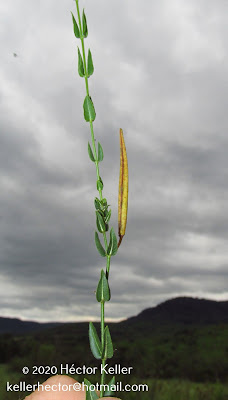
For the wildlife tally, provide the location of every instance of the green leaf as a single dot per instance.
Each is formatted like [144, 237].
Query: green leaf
[90, 393]
[84, 25]
[100, 222]
[100, 152]
[95, 343]
[113, 246]
[97, 203]
[107, 218]
[100, 184]
[109, 392]
[91, 156]
[76, 28]
[89, 110]
[100, 248]
[103, 291]
[80, 65]
[90, 67]
[108, 346]
[104, 202]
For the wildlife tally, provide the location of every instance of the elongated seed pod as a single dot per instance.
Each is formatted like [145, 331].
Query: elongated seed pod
[123, 190]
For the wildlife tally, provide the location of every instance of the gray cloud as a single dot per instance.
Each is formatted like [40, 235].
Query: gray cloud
[160, 74]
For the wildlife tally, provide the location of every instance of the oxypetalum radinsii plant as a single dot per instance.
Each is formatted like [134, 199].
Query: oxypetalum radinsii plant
[101, 347]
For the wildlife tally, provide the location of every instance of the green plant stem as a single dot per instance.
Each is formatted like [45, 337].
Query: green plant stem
[83, 50]
[87, 92]
[101, 198]
[107, 266]
[102, 344]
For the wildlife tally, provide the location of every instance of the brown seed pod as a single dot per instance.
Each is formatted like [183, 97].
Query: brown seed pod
[123, 190]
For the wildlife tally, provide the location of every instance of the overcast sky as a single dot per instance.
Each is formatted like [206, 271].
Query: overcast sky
[161, 75]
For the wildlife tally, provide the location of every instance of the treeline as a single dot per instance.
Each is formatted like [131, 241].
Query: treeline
[199, 354]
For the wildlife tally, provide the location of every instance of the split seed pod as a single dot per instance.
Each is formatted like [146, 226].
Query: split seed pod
[123, 190]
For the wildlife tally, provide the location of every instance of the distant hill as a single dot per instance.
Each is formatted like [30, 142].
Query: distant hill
[180, 310]
[17, 326]
[184, 310]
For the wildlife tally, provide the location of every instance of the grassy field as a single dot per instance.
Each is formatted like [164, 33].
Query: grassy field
[13, 377]
[159, 389]
[186, 362]
[181, 390]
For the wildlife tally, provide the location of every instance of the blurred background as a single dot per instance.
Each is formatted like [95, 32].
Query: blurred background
[160, 75]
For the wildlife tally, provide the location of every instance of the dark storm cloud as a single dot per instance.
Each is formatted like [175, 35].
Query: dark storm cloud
[160, 73]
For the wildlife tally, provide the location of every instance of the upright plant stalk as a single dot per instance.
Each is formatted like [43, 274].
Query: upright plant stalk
[102, 348]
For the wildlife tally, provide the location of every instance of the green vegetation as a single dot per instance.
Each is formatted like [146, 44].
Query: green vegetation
[176, 361]
[6, 374]
[179, 390]
[100, 345]
[159, 389]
